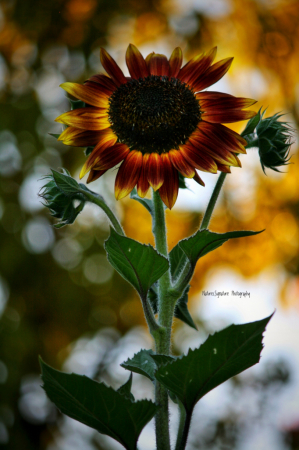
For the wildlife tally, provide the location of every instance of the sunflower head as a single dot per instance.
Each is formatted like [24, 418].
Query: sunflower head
[159, 123]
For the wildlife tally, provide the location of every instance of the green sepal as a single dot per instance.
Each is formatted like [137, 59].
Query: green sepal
[182, 183]
[139, 264]
[54, 135]
[252, 124]
[222, 356]
[65, 182]
[88, 151]
[146, 202]
[125, 389]
[75, 104]
[97, 405]
[177, 259]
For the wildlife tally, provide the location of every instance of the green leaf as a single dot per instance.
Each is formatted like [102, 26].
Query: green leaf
[97, 405]
[88, 150]
[125, 389]
[141, 265]
[222, 356]
[205, 241]
[181, 310]
[65, 182]
[147, 203]
[252, 124]
[162, 360]
[141, 363]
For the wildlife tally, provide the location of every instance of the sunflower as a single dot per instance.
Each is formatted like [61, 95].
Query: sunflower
[157, 123]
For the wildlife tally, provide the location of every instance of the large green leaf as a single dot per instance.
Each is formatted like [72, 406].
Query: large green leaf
[139, 264]
[222, 356]
[97, 405]
[205, 241]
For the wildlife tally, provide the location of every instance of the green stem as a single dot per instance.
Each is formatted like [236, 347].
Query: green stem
[181, 426]
[166, 309]
[99, 201]
[181, 444]
[209, 211]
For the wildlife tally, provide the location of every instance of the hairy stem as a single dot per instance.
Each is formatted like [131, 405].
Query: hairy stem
[99, 201]
[181, 443]
[209, 211]
[166, 309]
[181, 426]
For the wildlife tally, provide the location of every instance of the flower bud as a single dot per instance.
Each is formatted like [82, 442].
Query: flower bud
[59, 195]
[273, 139]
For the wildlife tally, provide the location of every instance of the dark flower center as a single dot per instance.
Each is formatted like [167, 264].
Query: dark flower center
[153, 114]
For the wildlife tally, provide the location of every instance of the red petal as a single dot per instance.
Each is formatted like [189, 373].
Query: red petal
[228, 116]
[104, 156]
[212, 75]
[181, 164]
[85, 119]
[175, 62]
[94, 175]
[209, 143]
[170, 188]
[104, 81]
[222, 168]
[158, 65]
[222, 136]
[112, 68]
[197, 66]
[198, 179]
[82, 138]
[128, 174]
[155, 173]
[198, 158]
[142, 183]
[90, 95]
[103, 89]
[136, 63]
[111, 156]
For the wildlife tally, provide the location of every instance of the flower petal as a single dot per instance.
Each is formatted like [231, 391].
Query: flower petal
[198, 179]
[112, 68]
[220, 136]
[181, 164]
[99, 86]
[155, 173]
[104, 81]
[212, 75]
[90, 95]
[82, 138]
[228, 116]
[197, 66]
[104, 156]
[128, 174]
[175, 62]
[94, 175]
[111, 156]
[222, 168]
[142, 183]
[157, 64]
[198, 158]
[136, 63]
[85, 118]
[170, 188]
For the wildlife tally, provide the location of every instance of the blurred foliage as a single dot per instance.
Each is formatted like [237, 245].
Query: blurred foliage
[56, 285]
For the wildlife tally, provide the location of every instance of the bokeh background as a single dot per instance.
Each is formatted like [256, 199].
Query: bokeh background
[60, 299]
